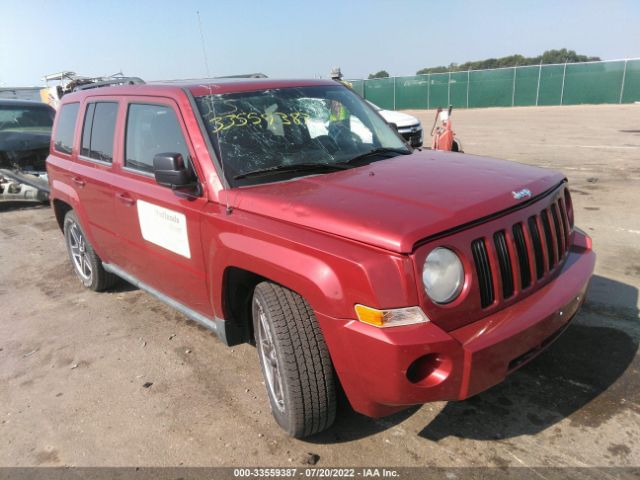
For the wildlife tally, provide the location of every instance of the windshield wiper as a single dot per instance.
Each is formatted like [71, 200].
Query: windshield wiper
[295, 167]
[377, 151]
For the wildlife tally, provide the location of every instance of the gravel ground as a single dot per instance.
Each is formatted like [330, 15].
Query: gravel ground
[73, 363]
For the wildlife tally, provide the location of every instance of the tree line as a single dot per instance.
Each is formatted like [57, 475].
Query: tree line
[550, 56]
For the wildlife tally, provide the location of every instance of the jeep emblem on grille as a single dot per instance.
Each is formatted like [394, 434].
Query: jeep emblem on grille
[524, 193]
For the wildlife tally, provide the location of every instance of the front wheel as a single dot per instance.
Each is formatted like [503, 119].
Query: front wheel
[295, 361]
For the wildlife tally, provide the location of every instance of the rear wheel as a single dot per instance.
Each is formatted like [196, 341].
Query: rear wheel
[86, 263]
[295, 361]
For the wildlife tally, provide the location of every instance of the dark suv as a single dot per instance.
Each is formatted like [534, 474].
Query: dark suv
[25, 134]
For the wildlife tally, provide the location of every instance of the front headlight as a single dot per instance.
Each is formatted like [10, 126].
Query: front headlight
[442, 275]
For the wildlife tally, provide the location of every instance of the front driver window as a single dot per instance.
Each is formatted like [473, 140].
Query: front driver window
[152, 129]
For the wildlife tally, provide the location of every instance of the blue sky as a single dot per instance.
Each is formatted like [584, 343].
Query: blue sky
[160, 39]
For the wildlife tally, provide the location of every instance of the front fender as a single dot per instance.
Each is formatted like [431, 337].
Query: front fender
[331, 273]
[311, 277]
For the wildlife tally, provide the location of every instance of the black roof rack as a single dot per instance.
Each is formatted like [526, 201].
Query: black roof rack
[246, 75]
[110, 82]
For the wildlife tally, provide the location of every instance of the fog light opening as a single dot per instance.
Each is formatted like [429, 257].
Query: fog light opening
[429, 370]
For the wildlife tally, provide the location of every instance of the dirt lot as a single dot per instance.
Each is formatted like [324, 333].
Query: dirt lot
[73, 363]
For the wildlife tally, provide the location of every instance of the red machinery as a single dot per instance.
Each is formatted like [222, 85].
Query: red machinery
[442, 132]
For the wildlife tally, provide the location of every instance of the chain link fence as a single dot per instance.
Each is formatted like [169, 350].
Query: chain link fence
[614, 81]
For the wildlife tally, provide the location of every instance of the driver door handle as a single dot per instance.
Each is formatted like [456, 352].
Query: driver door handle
[78, 181]
[125, 198]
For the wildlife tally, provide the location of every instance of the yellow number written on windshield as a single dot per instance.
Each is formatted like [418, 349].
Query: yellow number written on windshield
[236, 120]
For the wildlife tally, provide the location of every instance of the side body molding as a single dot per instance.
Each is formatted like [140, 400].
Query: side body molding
[216, 325]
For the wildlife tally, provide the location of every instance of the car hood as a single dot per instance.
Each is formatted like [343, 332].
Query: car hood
[394, 203]
[27, 139]
[399, 118]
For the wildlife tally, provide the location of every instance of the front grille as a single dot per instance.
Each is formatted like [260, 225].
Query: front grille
[546, 228]
[407, 129]
[523, 257]
[483, 268]
[558, 229]
[506, 272]
[414, 139]
[537, 245]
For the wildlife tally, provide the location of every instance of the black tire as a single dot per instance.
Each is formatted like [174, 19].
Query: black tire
[456, 146]
[308, 395]
[84, 260]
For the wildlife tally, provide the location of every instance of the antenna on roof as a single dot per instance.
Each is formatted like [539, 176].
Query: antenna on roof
[228, 208]
[204, 50]
[223, 180]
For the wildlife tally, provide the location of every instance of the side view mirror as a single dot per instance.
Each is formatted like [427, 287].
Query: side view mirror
[394, 126]
[171, 171]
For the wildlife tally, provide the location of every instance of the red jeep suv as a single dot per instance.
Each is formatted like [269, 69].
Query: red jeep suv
[289, 214]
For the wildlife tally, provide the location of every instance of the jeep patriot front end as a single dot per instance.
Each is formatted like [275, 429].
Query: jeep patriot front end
[290, 214]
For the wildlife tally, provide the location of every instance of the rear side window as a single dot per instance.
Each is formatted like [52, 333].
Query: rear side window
[97, 132]
[63, 138]
[152, 129]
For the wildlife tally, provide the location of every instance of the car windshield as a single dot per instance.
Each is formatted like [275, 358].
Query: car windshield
[278, 134]
[25, 118]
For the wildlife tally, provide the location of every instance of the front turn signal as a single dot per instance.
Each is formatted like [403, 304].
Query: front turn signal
[394, 317]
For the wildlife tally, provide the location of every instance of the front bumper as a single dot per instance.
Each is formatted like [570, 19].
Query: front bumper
[373, 363]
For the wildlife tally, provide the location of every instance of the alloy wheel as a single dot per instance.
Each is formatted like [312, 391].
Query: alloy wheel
[269, 358]
[79, 254]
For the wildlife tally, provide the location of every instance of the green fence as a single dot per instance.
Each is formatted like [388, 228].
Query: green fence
[616, 81]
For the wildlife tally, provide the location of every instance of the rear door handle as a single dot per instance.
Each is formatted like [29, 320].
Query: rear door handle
[125, 198]
[78, 181]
